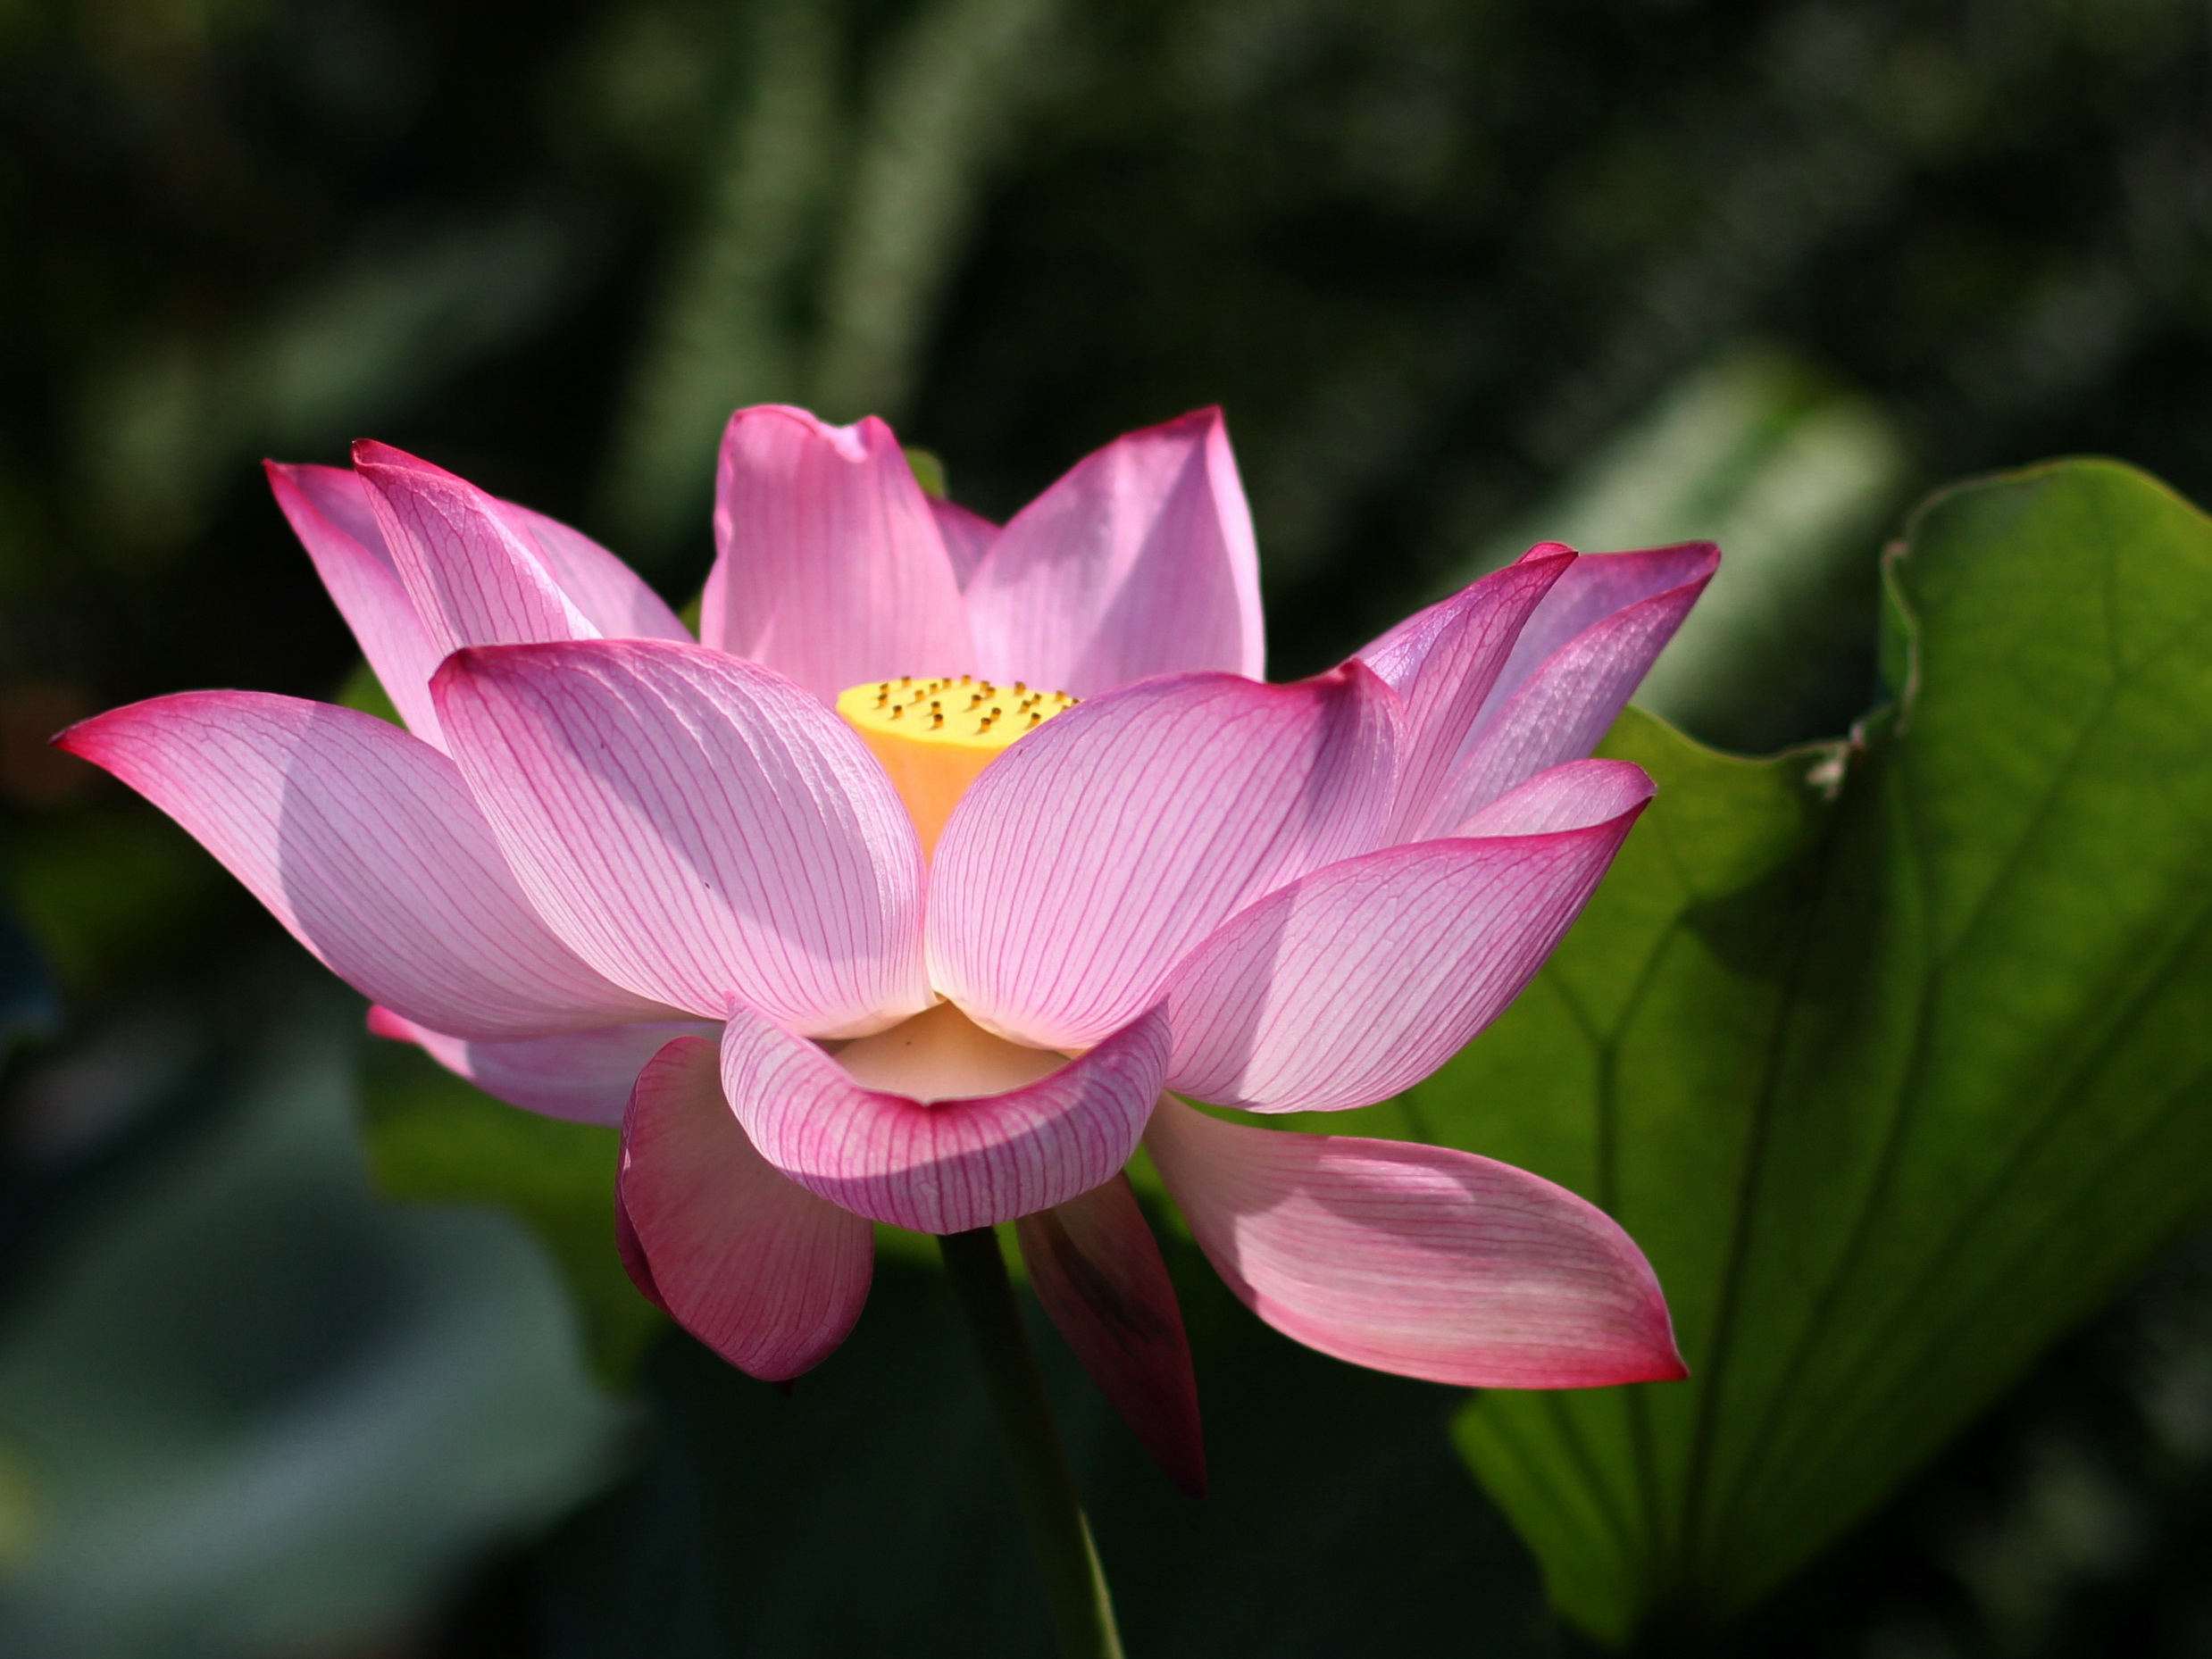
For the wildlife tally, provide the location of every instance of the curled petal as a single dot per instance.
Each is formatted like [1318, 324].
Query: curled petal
[1101, 847]
[472, 576]
[766, 1274]
[364, 842]
[695, 827]
[1360, 979]
[583, 1076]
[1579, 660]
[952, 1165]
[829, 567]
[1140, 561]
[1444, 661]
[329, 512]
[607, 592]
[1097, 1270]
[1419, 1260]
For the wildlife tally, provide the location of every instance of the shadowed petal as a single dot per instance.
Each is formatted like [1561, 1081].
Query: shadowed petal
[1360, 979]
[329, 512]
[1097, 1272]
[1139, 561]
[364, 842]
[764, 1273]
[1579, 660]
[829, 565]
[583, 1076]
[695, 827]
[1089, 857]
[968, 536]
[952, 1165]
[464, 561]
[1444, 661]
[1419, 1260]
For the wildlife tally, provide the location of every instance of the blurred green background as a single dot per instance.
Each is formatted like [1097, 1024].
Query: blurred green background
[1463, 274]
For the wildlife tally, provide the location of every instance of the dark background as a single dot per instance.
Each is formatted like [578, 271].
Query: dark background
[1462, 273]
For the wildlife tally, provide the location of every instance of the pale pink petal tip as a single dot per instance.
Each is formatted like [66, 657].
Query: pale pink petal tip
[763, 1272]
[954, 1163]
[1097, 1272]
[1419, 1260]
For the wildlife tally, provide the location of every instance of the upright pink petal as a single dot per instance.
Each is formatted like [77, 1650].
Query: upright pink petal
[1444, 661]
[968, 536]
[1362, 978]
[364, 842]
[1140, 561]
[766, 1274]
[1418, 1260]
[829, 565]
[582, 1076]
[474, 578]
[695, 827]
[329, 512]
[1579, 660]
[608, 593]
[1097, 1270]
[1101, 847]
[948, 1165]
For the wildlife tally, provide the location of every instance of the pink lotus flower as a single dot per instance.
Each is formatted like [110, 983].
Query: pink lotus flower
[868, 979]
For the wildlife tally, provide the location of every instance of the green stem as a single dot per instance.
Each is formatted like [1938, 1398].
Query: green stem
[1082, 1610]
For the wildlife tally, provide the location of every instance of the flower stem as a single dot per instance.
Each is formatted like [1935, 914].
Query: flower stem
[1082, 1610]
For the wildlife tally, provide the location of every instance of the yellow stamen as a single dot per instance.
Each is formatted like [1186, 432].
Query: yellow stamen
[933, 760]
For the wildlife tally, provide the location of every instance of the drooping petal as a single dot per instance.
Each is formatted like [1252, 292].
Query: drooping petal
[1419, 1260]
[1139, 561]
[582, 1076]
[328, 510]
[1101, 847]
[1097, 1272]
[365, 843]
[968, 536]
[609, 594]
[951, 1164]
[1360, 979]
[761, 1272]
[829, 565]
[695, 827]
[1443, 661]
[1579, 660]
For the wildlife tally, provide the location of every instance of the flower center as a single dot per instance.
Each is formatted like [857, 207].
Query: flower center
[935, 737]
[942, 1055]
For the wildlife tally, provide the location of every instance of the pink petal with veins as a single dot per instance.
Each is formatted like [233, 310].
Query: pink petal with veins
[1097, 1270]
[1419, 1260]
[474, 578]
[607, 592]
[829, 565]
[1139, 561]
[330, 512]
[695, 824]
[364, 842]
[583, 1077]
[1577, 662]
[764, 1273]
[1362, 978]
[1444, 661]
[951, 1164]
[1101, 847]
